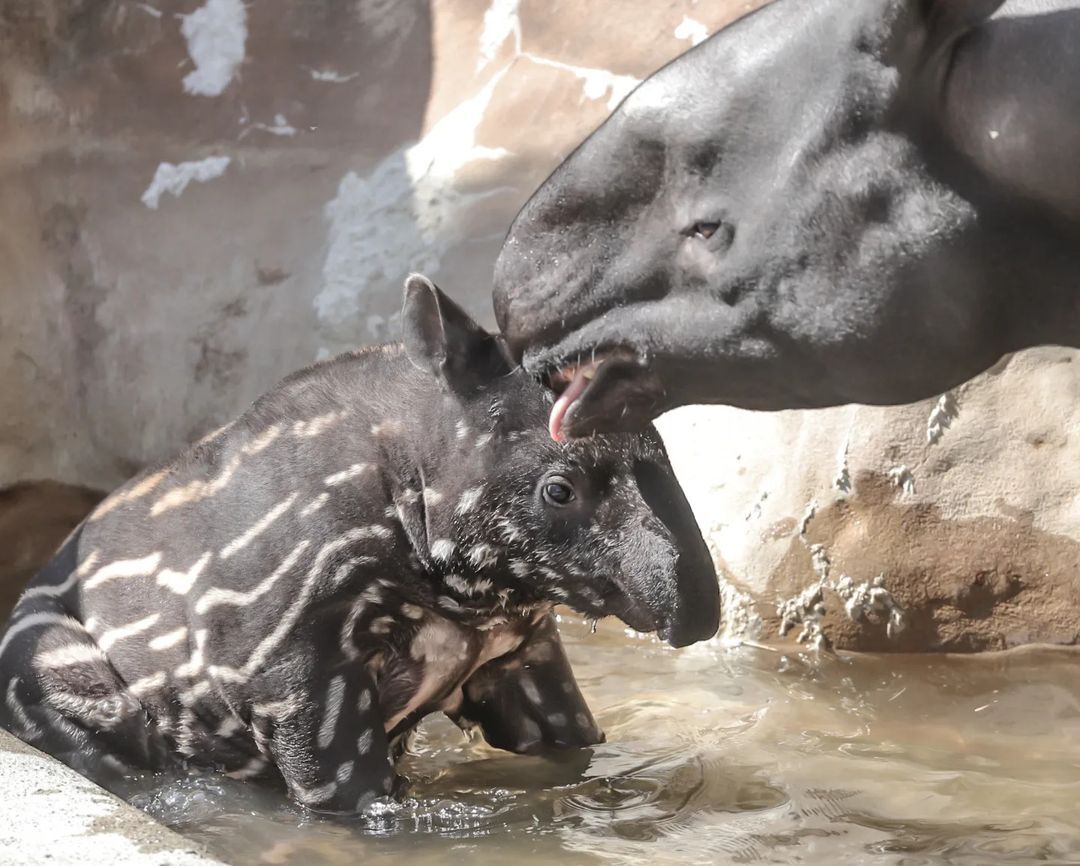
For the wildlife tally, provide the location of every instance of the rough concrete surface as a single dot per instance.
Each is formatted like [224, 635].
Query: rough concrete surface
[52, 816]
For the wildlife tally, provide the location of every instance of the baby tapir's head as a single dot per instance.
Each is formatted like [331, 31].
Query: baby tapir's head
[599, 524]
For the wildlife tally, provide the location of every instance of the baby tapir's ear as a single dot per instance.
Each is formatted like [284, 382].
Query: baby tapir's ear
[441, 338]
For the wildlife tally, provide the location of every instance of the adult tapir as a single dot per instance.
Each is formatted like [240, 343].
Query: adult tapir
[829, 201]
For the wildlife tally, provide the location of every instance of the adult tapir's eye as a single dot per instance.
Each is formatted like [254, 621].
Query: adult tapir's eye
[704, 230]
[557, 491]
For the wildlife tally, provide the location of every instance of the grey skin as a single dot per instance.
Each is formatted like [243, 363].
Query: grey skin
[379, 537]
[827, 202]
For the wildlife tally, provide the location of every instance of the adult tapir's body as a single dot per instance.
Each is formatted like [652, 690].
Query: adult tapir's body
[829, 201]
[380, 536]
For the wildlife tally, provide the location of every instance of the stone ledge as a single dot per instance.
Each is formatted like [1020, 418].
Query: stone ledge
[49, 814]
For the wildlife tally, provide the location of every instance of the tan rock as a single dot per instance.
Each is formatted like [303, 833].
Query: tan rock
[951, 524]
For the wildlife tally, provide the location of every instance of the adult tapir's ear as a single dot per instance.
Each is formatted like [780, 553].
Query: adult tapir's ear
[948, 20]
[441, 338]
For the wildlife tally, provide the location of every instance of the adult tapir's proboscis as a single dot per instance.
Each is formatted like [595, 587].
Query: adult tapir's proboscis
[379, 537]
[828, 201]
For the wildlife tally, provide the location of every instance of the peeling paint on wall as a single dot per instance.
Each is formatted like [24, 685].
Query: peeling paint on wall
[215, 35]
[174, 179]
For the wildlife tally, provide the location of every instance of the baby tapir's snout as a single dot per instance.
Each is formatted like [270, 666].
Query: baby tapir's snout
[664, 564]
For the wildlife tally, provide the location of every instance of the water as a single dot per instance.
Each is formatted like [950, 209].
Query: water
[720, 756]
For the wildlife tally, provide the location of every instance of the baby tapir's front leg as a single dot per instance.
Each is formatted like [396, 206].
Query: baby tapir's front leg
[328, 741]
[528, 699]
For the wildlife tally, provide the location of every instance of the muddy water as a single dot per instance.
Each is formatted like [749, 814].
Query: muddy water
[721, 756]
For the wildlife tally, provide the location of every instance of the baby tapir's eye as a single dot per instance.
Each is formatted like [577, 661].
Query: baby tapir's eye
[556, 490]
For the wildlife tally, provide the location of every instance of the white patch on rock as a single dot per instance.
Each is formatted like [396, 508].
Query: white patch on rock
[755, 510]
[870, 599]
[741, 620]
[842, 481]
[819, 561]
[941, 418]
[401, 217]
[903, 478]
[596, 83]
[501, 20]
[174, 179]
[215, 35]
[805, 609]
[692, 30]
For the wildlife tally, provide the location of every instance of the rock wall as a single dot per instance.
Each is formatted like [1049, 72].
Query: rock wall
[199, 196]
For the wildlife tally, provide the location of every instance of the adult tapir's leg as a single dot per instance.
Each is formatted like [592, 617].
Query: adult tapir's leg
[328, 741]
[529, 699]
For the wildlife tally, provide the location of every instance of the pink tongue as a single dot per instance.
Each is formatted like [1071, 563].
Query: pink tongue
[562, 405]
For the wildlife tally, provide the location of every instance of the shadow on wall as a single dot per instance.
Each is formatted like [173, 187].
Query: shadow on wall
[35, 518]
[165, 173]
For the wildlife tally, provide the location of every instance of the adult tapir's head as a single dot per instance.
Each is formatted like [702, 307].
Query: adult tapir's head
[600, 524]
[763, 223]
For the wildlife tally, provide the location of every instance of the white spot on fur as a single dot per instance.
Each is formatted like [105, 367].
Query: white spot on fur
[344, 772]
[363, 743]
[363, 700]
[215, 35]
[216, 596]
[115, 635]
[181, 582]
[461, 430]
[316, 426]
[483, 439]
[411, 611]
[443, 549]
[257, 529]
[335, 693]
[432, 496]
[315, 504]
[354, 471]
[255, 767]
[483, 556]
[72, 654]
[307, 590]
[381, 625]
[469, 499]
[149, 684]
[530, 690]
[196, 662]
[122, 568]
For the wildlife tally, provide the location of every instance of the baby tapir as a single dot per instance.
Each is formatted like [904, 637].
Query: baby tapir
[381, 536]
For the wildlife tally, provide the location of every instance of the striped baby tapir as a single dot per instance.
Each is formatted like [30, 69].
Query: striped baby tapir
[381, 536]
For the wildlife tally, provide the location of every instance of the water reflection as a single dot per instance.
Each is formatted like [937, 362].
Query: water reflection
[719, 756]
